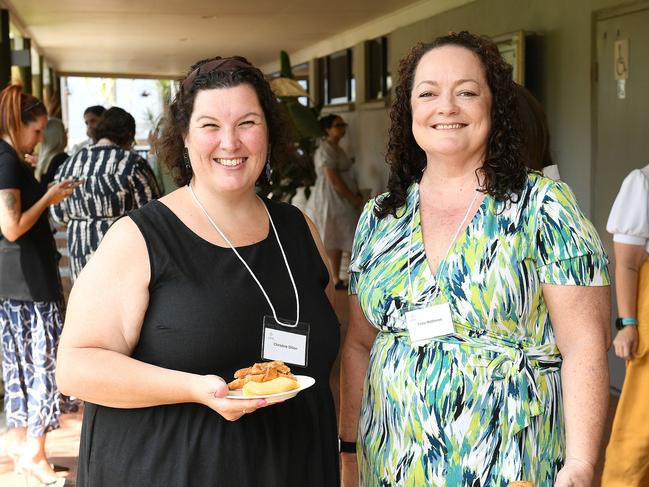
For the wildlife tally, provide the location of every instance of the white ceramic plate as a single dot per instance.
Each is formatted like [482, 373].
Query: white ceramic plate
[304, 380]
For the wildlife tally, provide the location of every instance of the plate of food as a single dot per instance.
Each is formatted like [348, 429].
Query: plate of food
[272, 381]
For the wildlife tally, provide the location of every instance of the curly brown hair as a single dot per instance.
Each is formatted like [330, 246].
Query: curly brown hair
[214, 73]
[503, 172]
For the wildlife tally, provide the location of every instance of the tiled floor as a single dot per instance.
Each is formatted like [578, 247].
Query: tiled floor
[63, 444]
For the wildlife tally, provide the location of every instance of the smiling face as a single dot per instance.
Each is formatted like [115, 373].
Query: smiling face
[227, 139]
[451, 104]
[31, 134]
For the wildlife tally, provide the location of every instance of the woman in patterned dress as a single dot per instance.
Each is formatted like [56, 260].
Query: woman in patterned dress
[113, 180]
[452, 372]
[31, 297]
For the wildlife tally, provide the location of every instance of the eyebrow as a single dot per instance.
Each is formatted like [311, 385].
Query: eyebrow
[435, 83]
[242, 116]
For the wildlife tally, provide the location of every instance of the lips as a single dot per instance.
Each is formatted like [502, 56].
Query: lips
[230, 161]
[448, 126]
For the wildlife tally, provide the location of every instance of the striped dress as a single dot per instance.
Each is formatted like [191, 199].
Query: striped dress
[481, 406]
[114, 182]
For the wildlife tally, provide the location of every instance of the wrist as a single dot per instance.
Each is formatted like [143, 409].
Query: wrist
[621, 323]
[346, 446]
[581, 461]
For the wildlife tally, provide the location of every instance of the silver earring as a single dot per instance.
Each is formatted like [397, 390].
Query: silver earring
[188, 164]
[267, 168]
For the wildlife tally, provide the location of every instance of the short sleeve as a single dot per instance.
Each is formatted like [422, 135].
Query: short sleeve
[328, 155]
[569, 251]
[629, 217]
[9, 172]
[360, 247]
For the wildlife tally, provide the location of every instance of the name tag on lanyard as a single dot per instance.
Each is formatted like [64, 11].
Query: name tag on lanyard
[290, 344]
[429, 322]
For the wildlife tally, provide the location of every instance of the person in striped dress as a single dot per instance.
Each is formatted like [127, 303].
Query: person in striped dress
[111, 180]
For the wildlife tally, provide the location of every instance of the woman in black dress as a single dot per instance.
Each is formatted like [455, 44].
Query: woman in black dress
[190, 284]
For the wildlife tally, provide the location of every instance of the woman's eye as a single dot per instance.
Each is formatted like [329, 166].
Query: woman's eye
[467, 93]
[209, 125]
[426, 94]
[248, 123]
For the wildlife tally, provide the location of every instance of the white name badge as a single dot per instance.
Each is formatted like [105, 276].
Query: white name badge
[429, 322]
[290, 344]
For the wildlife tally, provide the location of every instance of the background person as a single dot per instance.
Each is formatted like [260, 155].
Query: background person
[335, 199]
[627, 454]
[52, 152]
[535, 143]
[91, 116]
[30, 289]
[179, 312]
[112, 180]
[479, 296]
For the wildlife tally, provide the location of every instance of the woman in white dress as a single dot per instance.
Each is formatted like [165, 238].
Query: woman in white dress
[335, 202]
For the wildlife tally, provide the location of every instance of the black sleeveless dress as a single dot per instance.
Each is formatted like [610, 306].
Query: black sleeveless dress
[205, 316]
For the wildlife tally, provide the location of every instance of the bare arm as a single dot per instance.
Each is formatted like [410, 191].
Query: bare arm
[353, 368]
[14, 222]
[581, 322]
[628, 260]
[323, 254]
[102, 329]
[341, 188]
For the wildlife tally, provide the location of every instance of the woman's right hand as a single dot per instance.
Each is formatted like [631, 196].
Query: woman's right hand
[626, 342]
[349, 470]
[57, 192]
[212, 391]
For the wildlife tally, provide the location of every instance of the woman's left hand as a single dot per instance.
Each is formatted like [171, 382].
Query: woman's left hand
[575, 473]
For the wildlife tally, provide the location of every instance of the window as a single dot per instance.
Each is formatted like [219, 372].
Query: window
[301, 75]
[337, 83]
[378, 79]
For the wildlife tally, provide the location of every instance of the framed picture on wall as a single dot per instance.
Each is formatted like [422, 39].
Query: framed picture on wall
[512, 48]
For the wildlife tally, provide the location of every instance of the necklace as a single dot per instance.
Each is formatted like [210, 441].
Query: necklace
[281, 248]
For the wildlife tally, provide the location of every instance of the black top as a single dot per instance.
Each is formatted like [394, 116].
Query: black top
[56, 161]
[205, 316]
[28, 266]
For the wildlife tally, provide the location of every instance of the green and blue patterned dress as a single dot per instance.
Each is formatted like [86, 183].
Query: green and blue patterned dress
[482, 406]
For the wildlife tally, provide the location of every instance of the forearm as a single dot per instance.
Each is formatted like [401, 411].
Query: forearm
[353, 369]
[25, 220]
[116, 380]
[585, 398]
[628, 260]
[338, 184]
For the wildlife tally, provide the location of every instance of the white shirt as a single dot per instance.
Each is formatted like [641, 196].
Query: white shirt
[629, 218]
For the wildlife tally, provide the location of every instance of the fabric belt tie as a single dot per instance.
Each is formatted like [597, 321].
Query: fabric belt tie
[515, 365]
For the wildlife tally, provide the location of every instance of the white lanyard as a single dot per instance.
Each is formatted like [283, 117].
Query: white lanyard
[412, 227]
[270, 219]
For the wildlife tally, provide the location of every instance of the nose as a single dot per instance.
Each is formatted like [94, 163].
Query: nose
[447, 104]
[229, 139]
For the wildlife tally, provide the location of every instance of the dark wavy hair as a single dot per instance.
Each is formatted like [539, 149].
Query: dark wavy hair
[328, 120]
[116, 125]
[535, 133]
[234, 71]
[503, 173]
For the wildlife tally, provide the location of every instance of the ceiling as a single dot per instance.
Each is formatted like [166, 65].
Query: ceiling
[162, 38]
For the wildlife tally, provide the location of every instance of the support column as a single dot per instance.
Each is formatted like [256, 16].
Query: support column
[5, 49]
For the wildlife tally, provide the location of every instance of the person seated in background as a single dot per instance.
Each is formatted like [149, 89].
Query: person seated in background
[111, 180]
[52, 152]
[91, 117]
[535, 134]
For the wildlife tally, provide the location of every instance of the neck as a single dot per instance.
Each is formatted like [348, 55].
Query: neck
[451, 175]
[333, 140]
[235, 206]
